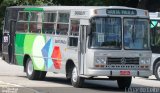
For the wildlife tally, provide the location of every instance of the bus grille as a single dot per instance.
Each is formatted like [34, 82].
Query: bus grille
[123, 60]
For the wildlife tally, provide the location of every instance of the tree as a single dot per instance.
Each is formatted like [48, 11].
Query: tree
[79, 2]
[151, 5]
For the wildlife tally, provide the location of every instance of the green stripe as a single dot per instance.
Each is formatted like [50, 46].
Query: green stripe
[34, 9]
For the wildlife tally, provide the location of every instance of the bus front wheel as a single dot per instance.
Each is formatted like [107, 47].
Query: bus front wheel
[76, 80]
[157, 70]
[124, 82]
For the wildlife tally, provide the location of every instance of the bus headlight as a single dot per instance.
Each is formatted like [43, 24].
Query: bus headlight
[145, 63]
[100, 62]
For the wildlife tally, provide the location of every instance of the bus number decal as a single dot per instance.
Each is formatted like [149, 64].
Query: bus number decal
[5, 39]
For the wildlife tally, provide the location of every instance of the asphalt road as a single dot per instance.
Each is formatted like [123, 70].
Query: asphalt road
[13, 79]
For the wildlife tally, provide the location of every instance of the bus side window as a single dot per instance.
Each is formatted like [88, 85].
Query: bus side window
[22, 26]
[73, 41]
[49, 28]
[49, 22]
[74, 32]
[74, 27]
[33, 27]
[35, 22]
[63, 24]
[62, 29]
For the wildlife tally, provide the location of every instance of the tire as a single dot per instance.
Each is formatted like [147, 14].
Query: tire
[31, 73]
[42, 75]
[68, 78]
[75, 79]
[157, 70]
[3, 58]
[124, 82]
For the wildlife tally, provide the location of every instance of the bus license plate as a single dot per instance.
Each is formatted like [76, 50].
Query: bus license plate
[125, 72]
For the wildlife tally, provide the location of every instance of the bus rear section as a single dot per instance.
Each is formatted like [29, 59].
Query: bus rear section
[84, 43]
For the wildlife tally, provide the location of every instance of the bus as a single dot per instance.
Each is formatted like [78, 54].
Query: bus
[155, 43]
[82, 42]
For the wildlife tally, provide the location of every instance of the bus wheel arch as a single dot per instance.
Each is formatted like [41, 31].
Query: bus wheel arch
[69, 66]
[154, 65]
[156, 68]
[26, 57]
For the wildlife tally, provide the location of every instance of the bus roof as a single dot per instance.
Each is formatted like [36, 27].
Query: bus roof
[89, 11]
[74, 7]
[84, 7]
[71, 7]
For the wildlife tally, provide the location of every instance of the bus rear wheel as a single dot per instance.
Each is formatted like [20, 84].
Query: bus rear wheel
[124, 82]
[157, 70]
[34, 74]
[76, 80]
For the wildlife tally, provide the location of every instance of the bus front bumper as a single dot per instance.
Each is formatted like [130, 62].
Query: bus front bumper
[99, 72]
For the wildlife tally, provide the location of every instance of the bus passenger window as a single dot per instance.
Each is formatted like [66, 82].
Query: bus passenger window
[63, 24]
[63, 17]
[34, 16]
[22, 26]
[49, 28]
[23, 16]
[33, 27]
[62, 29]
[74, 27]
[49, 22]
[50, 17]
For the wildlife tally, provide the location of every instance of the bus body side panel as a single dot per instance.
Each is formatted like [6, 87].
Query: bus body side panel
[55, 53]
[19, 48]
[48, 53]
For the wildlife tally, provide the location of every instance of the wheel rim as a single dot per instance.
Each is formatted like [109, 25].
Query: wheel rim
[74, 75]
[158, 71]
[30, 68]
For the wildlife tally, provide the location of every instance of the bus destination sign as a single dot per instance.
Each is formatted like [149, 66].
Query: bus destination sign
[121, 12]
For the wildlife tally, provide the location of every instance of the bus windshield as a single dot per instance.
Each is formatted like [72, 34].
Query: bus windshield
[136, 34]
[106, 32]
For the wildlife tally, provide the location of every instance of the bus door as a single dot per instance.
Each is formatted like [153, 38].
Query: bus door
[82, 45]
[8, 42]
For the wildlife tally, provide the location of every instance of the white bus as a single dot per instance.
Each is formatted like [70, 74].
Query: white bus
[155, 43]
[83, 42]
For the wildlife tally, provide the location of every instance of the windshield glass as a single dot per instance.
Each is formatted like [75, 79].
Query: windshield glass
[106, 33]
[136, 33]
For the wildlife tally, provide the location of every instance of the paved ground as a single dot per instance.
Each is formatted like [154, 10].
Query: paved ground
[13, 79]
